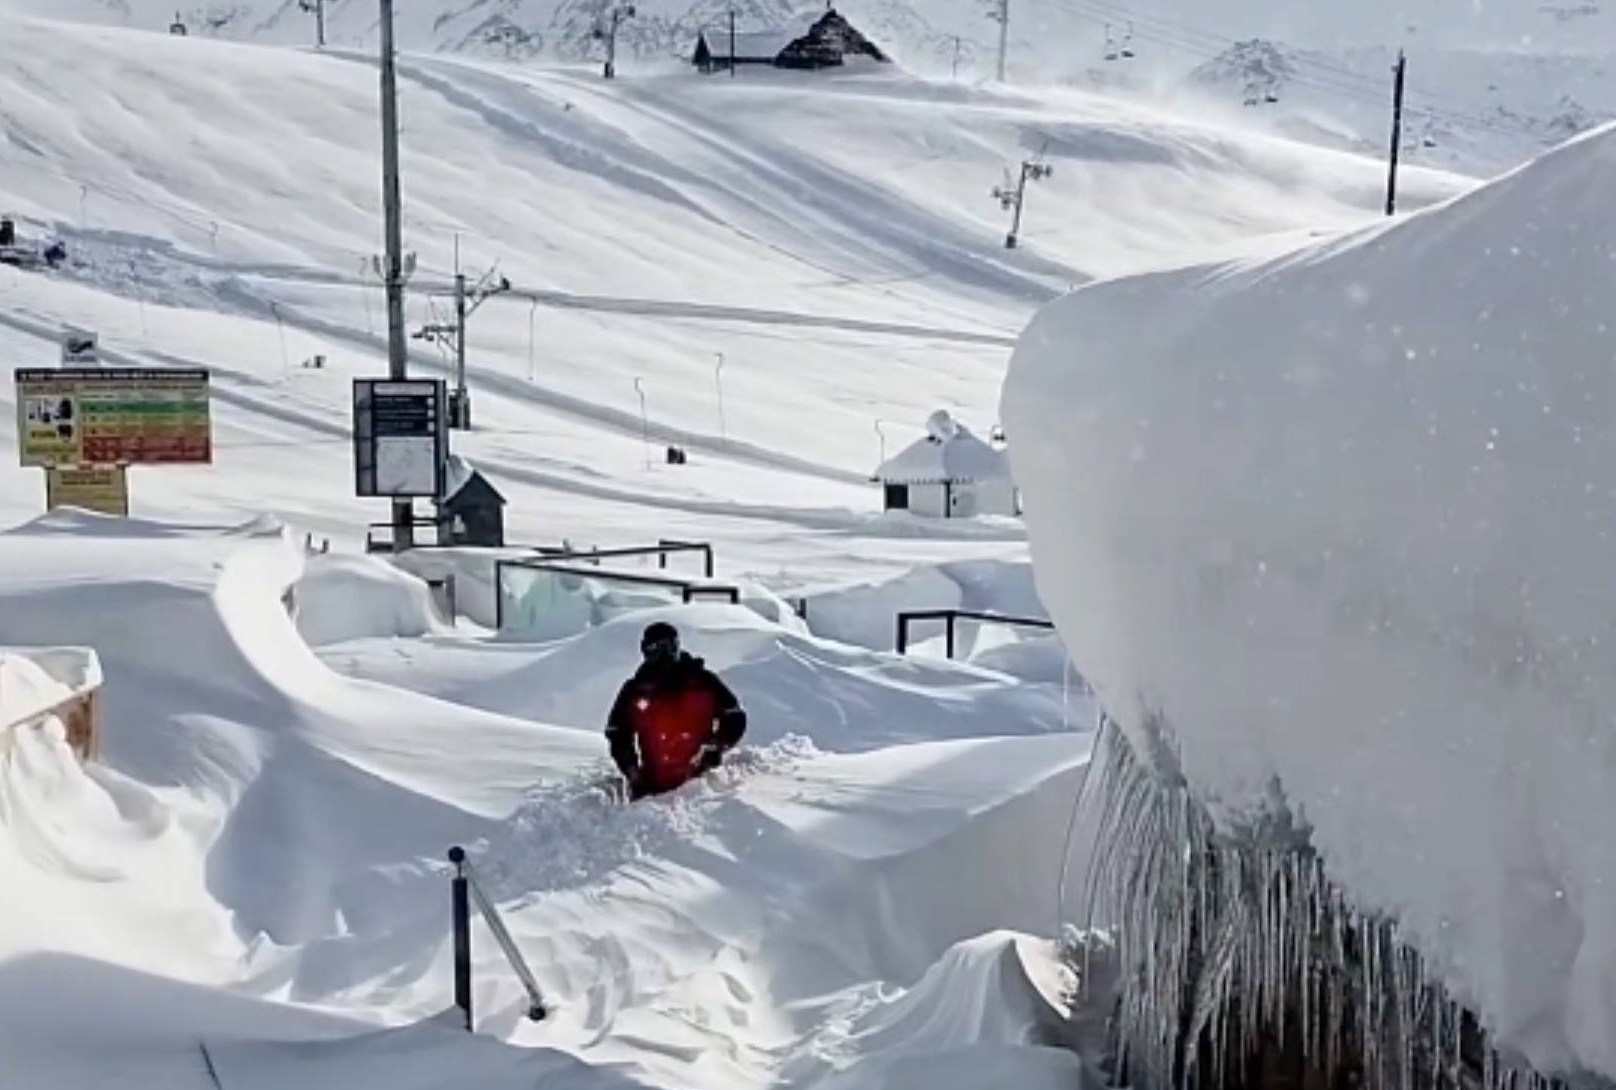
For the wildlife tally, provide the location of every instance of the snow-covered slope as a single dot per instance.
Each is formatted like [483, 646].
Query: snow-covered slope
[785, 307]
[1493, 83]
[1344, 517]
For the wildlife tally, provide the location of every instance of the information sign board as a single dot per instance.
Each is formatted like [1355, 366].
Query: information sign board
[93, 416]
[401, 437]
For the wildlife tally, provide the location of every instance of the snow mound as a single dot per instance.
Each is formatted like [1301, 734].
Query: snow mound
[354, 597]
[1345, 518]
[845, 698]
[26, 689]
[977, 1016]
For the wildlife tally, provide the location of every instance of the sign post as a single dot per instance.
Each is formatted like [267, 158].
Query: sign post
[401, 438]
[98, 488]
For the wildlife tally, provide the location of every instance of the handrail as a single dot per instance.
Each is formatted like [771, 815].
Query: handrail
[463, 889]
[689, 589]
[950, 616]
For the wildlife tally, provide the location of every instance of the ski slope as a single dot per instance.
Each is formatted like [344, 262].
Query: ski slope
[789, 306]
[1402, 448]
[784, 276]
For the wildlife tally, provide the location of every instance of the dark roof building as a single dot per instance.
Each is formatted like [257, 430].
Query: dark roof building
[826, 43]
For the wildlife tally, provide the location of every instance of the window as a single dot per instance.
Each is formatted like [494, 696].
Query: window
[897, 497]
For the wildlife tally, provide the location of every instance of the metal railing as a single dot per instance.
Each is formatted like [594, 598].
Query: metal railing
[950, 618]
[664, 548]
[688, 590]
[384, 543]
[464, 889]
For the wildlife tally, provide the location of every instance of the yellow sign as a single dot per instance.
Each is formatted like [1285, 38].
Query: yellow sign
[118, 415]
[94, 488]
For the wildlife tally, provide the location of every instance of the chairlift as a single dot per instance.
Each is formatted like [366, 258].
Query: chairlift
[1127, 44]
[1111, 53]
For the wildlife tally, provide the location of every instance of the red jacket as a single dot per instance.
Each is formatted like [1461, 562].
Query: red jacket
[662, 718]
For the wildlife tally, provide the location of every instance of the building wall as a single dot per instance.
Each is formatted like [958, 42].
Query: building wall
[960, 500]
[986, 498]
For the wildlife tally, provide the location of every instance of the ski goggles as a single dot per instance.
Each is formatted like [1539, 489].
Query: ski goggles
[660, 647]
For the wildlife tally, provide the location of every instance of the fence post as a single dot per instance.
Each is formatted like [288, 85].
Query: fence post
[460, 910]
[952, 617]
[903, 633]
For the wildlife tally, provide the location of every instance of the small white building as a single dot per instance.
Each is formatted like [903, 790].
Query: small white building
[951, 473]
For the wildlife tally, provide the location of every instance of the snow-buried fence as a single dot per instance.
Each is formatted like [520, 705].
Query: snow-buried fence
[1243, 963]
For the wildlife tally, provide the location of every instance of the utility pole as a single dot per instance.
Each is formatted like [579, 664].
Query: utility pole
[1400, 69]
[393, 271]
[318, 8]
[466, 302]
[1015, 197]
[959, 44]
[613, 19]
[731, 43]
[1000, 13]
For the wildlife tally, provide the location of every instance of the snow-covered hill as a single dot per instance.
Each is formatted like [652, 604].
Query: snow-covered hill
[1343, 519]
[1490, 85]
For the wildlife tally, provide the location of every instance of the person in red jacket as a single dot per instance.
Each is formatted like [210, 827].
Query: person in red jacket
[673, 720]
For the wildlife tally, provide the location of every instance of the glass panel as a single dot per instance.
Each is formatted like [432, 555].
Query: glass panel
[544, 604]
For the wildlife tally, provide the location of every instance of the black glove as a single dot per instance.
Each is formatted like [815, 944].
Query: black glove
[709, 758]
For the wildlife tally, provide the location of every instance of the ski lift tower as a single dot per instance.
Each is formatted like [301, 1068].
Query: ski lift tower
[606, 30]
[1014, 197]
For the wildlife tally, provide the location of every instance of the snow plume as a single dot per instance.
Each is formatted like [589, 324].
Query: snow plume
[1241, 959]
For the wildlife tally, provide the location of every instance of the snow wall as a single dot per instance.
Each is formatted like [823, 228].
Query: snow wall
[1346, 518]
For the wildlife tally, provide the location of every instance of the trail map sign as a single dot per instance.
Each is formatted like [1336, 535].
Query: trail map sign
[101, 488]
[401, 437]
[88, 416]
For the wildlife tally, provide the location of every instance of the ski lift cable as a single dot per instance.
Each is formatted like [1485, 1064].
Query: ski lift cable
[1327, 75]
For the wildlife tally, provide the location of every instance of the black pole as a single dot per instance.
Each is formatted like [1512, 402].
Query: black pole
[951, 619]
[903, 634]
[1397, 132]
[460, 910]
[731, 43]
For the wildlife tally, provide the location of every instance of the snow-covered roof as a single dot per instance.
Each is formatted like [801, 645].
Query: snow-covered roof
[950, 452]
[762, 44]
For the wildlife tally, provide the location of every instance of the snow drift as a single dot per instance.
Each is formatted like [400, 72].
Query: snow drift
[1344, 519]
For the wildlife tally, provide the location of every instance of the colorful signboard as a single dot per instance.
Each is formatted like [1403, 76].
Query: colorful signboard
[95, 488]
[93, 416]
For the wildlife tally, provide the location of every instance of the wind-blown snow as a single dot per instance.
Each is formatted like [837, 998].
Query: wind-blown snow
[1345, 518]
[265, 825]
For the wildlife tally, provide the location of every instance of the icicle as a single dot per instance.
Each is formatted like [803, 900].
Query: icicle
[1234, 941]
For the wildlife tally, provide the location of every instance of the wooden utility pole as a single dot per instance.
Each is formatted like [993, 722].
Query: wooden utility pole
[1400, 70]
[731, 43]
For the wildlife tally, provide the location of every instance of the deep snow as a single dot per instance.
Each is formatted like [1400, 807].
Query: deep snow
[252, 883]
[266, 825]
[1344, 518]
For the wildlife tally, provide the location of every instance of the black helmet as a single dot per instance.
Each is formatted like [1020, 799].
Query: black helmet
[660, 640]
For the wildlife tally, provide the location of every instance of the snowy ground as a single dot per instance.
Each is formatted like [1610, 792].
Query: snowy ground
[251, 885]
